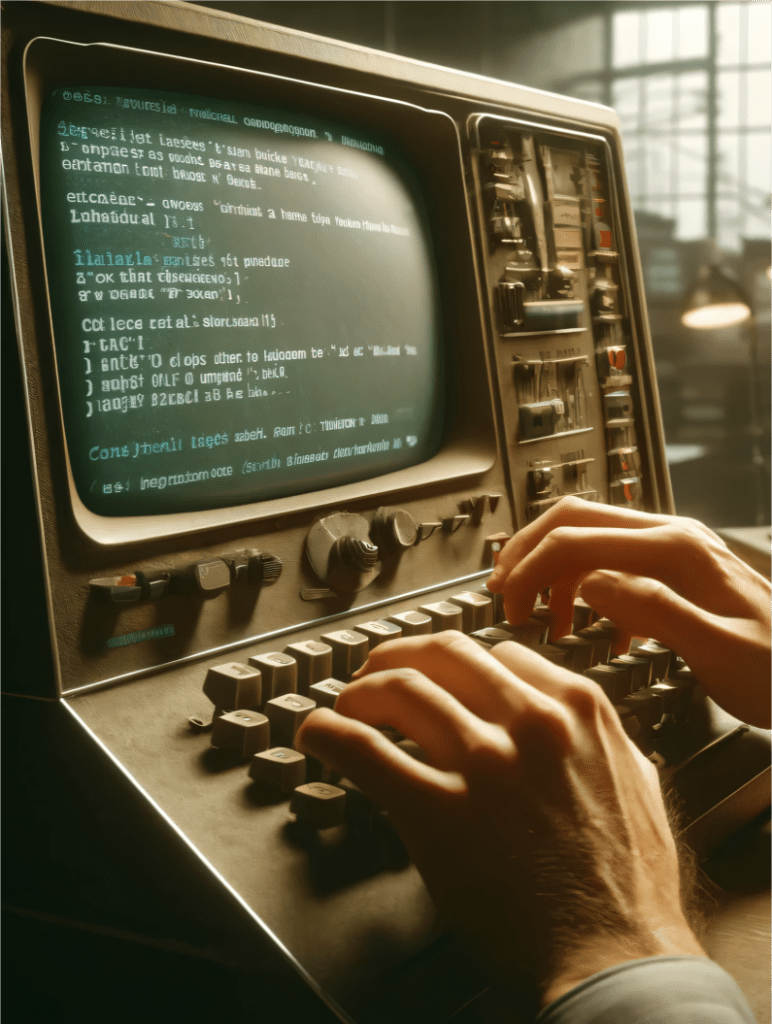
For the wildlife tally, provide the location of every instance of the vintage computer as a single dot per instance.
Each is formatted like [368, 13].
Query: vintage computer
[304, 329]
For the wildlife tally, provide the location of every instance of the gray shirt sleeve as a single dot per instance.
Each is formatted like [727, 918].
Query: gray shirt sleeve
[657, 990]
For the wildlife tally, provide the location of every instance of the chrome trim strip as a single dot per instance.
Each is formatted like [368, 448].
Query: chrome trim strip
[260, 637]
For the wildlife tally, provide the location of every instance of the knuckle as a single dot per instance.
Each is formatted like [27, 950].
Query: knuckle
[547, 724]
[585, 699]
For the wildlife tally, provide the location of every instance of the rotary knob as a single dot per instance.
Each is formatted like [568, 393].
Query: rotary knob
[395, 529]
[356, 553]
[264, 569]
[341, 553]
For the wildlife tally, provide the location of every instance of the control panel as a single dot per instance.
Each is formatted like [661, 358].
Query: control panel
[556, 289]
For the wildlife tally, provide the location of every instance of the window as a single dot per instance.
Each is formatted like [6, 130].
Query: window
[691, 85]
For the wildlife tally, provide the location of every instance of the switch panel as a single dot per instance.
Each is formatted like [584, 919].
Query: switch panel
[559, 315]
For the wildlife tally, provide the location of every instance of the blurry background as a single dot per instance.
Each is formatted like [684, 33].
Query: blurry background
[691, 84]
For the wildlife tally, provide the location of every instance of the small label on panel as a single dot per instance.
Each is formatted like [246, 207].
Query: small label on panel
[141, 634]
[568, 238]
[565, 211]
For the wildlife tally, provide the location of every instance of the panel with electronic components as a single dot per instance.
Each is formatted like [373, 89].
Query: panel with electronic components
[556, 287]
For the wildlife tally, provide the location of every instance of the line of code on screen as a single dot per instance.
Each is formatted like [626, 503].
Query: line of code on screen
[244, 301]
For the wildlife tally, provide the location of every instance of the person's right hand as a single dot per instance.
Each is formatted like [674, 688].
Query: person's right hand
[656, 576]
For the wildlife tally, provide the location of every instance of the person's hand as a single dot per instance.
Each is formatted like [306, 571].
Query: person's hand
[535, 822]
[656, 576]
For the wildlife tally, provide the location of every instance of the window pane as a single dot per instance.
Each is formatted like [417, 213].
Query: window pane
[625, 39]
[625, 100]
[659, 101]
[659, 36]
[690, 222]
[692, 31]
[635, 155]
[728, 146]
[728, 30]
[692, 104]
[658, 152]
[729, 223]
[759, 157]
[728, 99]
[756, 224]
[759, 33]
[692, 164]
[591, 90]
[759, 107]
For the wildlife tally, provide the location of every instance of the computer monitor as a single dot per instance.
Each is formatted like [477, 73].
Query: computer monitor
[304, 331]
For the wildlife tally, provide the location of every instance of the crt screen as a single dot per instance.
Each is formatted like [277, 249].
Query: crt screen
[243, 300]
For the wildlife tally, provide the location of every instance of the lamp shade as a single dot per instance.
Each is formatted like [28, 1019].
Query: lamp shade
[714, 300]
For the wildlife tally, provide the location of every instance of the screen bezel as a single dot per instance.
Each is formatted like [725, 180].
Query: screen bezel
[468, 446]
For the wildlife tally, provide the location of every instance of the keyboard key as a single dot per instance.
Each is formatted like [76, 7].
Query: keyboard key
[646, 704]
[528, 633]
[378, 631]
[556, 655]
[325, 693]
[319, 804]
[659, 656]
[671, 696]
[246, 732]
[583, 615]
[612, 679]
[279, 672]
[412, 623]
[233, 685]
[476, 610]
[498, 603]
[639, 667]
[349, 651]
[279, 769]
[542, 614]
[444, 615]
[286, 714]
[630, 723]
[490, 636]
[579, 652]
[610, 629]
[601, 643]
[314, 662]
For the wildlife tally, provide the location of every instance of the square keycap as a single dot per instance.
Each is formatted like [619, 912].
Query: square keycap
[280, 769]
[579, 652]
[246, 732]
[319, 804]
[444, 615]
[326, 692]
[314, 662]
[349, 651]
[528, 633]
[279, 672]
[233, 685]
[640, 670]
[476, 610]
[285, 714]
[612, 679]
[378, 631]
[412, 623]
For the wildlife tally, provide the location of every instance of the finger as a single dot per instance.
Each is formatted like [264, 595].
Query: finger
[569, 511]
[529, 666]
[679, 558]
[461, 667]
[642, 606]
[419, 709]
[386, 774]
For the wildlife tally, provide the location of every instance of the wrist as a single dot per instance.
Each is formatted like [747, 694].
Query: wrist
[598, 953]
